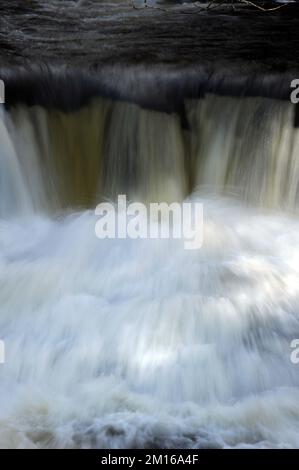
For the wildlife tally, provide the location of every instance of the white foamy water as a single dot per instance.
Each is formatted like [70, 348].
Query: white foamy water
[141, 343]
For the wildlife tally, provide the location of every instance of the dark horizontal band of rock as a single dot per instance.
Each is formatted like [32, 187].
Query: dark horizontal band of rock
[91, 33]
[62, 57]
[155, 88]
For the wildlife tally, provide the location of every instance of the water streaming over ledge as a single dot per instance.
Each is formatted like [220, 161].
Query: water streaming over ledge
[125, 343]
[244, 147]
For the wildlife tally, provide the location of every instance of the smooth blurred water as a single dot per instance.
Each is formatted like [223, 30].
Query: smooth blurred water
[141, 343]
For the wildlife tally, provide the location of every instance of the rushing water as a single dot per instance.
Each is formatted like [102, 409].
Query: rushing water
[125, 343]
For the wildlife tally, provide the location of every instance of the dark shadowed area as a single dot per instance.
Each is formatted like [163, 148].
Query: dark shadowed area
[235, 51]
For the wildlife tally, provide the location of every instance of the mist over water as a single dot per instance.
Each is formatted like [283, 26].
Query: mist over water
[125, 343]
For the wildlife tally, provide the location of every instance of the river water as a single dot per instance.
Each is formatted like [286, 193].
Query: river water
[125, 343]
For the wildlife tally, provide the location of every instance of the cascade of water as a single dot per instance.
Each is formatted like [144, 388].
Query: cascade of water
[242, 146]
[125, 343]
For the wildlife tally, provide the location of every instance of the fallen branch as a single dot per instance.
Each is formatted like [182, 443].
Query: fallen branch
[259, 7]
[212, 5]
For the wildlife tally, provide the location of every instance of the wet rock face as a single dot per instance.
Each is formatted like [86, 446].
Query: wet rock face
[93, 33]
[156, 57]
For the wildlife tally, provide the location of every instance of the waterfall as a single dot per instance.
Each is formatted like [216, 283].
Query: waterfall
[244, 147]
[125, 343]
[247, 146]
[14, 197]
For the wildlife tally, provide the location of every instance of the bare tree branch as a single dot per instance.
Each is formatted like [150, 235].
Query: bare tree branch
[259, 7]
[212, 5]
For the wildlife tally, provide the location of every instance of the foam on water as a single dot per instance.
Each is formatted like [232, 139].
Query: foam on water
[123, 343]
[142, 343]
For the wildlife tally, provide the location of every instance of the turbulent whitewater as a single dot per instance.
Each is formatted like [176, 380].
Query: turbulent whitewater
[142, 343]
